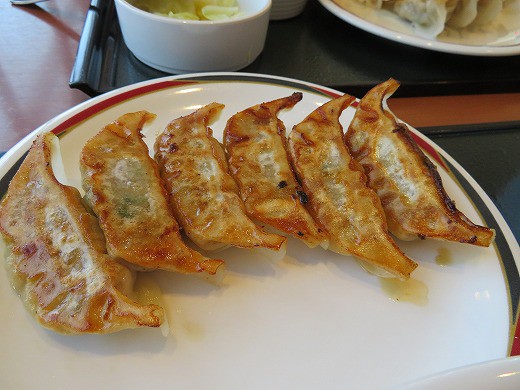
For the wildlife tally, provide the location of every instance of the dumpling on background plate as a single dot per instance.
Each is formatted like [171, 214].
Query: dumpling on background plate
[256, 145]
[444, 19]
[487, 10]
[123, 186]
[407, 182]
[204, 197]
[461, 13]
[428, 17]
[57, 257]
[338, 197]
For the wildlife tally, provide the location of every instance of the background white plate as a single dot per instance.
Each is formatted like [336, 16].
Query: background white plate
[388, 25]
[315, 320]
[500, 374]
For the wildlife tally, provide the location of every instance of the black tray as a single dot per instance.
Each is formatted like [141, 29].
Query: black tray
[317, 47]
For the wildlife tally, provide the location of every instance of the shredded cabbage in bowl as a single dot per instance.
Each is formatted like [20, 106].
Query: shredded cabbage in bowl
[190, 9]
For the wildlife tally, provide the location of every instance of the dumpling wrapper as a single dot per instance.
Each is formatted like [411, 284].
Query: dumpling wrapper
[203, 195]
[338, 197]
[407, 182]
[57, 259]
[428, 17]
[258, 160]
[124, 189]
[463, 13]
[487, 11]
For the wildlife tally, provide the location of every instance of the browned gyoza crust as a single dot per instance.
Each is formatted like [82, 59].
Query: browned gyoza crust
[256, 145]
[338, 197]
[58, 262]
[203, 195]
[408, 184]
[123, 186]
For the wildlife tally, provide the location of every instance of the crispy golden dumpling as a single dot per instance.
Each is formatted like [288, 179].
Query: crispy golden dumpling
[57, 260]
[408, 184]
[258, 160]
[124, 189]
[338, 197]
[203, 195]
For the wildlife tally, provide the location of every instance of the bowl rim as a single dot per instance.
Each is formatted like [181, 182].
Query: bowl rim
[165, 19]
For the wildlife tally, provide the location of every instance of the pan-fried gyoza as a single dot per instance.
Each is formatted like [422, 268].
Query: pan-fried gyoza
[408, 184]
[203, 195]
[124, 189]
[338, 197]
[256, 145]
[344, 191]
[57, 258]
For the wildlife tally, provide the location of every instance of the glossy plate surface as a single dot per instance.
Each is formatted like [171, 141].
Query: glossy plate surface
[314, 320]
[495, 374]
[383, 23]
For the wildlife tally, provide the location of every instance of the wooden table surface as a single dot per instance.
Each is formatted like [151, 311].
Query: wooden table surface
[38, 45]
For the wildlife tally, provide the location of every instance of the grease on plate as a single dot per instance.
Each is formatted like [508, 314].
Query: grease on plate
[412, 290]
[194, 330]
[147, 291]
[444, 257]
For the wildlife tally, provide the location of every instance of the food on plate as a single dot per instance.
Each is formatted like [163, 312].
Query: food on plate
[123, 186]
[460, 13]
[190, 9]
[256, 145]
[57, 258]
[338, 197]
[203, 195]
[407, 182]
[430, 18]
[347, 192]
[464, 13]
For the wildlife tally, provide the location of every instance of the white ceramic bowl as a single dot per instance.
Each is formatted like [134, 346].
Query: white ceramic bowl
[285, 9]
[185, 46]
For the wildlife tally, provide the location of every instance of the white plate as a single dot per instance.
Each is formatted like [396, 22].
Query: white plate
[500, 374]
[383, 23]
[315, 320]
